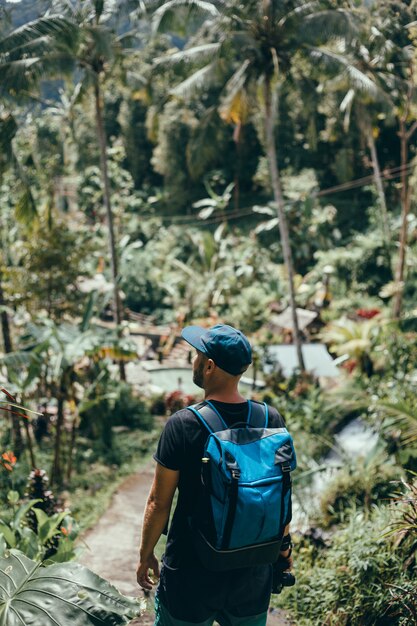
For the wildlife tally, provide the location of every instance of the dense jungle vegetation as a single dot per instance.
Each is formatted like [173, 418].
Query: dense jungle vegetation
[197, 161]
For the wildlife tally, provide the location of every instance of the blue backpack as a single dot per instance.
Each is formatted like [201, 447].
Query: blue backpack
[245, 499]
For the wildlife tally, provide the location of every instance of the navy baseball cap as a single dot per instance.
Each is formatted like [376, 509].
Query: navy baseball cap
[225, 345]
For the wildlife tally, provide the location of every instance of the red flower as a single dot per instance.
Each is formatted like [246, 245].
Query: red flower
[367, 314]
[8, 460]
[350, 365]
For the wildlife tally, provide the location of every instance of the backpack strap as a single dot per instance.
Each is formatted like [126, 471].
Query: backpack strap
[211, 419]
[258, 414]
[209, 416]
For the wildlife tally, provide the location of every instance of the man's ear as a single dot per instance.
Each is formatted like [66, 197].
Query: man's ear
[210, 365]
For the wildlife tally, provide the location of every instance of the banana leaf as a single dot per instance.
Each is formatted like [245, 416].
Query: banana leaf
[62, 594]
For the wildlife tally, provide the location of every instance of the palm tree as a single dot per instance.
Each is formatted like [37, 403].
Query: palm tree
[25, 212]
[367, 93]
[21, 66]
[78, 36]
[259, 41]
[95, 50]
[400, 35]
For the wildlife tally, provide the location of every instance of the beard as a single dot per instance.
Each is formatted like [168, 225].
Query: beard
[198, 378]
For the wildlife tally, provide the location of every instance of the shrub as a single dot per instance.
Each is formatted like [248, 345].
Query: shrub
[357, 486]
[177, 400]
[348, 584]
[118, 406]
[131, 410]
[41, 537]
[157, 405]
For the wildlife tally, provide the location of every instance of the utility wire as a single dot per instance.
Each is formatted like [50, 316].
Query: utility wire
[388, 174]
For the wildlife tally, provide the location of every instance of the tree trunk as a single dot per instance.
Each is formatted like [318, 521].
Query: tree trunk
[8, 347]
[72, 447]
[56, 472]
[29, 439]
[237, 138]
[405, 209]
[117, 307]
[379, 185]
[5, 324]
[283, 226]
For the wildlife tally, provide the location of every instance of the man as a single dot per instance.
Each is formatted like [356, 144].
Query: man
[187, 592]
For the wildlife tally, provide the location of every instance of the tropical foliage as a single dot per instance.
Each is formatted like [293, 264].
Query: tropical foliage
[165, 163]
[75, 594]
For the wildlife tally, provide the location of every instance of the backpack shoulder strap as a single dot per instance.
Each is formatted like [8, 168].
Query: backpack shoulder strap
[258, 414]
[209, 416]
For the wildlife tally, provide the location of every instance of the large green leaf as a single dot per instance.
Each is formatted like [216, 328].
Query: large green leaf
[62, 594]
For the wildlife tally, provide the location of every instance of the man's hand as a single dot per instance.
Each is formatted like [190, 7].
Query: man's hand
[286, 562]
[142, 572]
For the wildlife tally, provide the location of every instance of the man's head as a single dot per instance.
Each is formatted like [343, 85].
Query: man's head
[221, 348]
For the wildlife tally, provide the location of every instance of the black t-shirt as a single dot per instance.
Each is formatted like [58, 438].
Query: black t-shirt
[181, 447]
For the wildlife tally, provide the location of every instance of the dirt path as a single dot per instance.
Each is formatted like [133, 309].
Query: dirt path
[113, 543]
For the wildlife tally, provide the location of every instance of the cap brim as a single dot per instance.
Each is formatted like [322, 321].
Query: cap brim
[192, 335]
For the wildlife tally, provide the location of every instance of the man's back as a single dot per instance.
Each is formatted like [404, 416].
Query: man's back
[188, 593]
[181, 448]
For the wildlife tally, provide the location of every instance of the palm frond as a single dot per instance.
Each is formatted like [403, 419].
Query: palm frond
[194, 83]
[18, 77]
[336, 62]
[238, 79]
[346, 107]
[25, 209]
[330, 24]
[405, 415]
[234, 105]
[55, 27]
[194, 54]
[303, 9]
[166, 15]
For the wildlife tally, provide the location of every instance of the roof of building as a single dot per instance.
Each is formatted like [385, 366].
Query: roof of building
[317, 360]
[284, 319]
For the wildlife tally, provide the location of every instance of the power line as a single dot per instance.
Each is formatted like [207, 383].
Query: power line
[388, 174]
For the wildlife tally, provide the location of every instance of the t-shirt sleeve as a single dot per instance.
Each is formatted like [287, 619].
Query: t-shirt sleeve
[275, 419]
[170, 449]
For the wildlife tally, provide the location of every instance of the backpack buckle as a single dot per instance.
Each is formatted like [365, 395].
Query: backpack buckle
[286, 466]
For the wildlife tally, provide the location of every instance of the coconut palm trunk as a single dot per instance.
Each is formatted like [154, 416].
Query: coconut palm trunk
[279, 201]
[378, 184]
[56, 472]
[405, 205]
[101, 134]
[8, 347]
[5, 324]
[29, 440]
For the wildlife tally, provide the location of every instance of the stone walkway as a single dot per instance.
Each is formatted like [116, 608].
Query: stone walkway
[112, 545]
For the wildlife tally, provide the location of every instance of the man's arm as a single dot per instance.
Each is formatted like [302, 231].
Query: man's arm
[155, 518]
